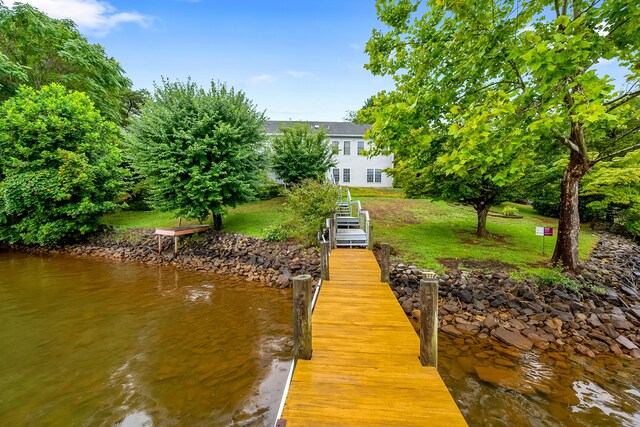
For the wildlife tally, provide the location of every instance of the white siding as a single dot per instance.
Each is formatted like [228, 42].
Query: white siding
[358, 164]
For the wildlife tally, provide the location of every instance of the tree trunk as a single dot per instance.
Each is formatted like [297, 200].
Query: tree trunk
[566, 250]
[482, 210]
[217, 221]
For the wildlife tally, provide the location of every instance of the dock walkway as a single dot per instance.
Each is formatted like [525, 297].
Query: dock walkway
[364, 369]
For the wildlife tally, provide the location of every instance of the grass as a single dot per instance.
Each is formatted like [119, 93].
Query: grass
[420, 231]
[250, 219]
[423, 232]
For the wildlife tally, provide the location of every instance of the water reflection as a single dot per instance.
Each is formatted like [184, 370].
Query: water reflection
[495, 386]
[88, 342]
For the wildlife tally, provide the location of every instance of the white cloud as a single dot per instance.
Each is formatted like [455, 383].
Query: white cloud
[261, 78]
[98, 17]
[298, 74]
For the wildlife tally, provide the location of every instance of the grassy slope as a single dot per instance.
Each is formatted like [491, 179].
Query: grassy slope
[420, 231]
[250, 219]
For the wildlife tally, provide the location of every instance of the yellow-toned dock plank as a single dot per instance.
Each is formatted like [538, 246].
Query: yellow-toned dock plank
[365, 369]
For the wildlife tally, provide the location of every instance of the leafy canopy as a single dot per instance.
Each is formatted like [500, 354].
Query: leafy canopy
[36, 50]
[199, 150]
[501, 79]
[300, 153]
[58, 166]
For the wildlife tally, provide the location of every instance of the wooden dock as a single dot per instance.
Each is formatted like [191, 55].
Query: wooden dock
[365, 368]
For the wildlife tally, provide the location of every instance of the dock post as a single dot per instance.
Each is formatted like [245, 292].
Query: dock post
[159, 244]
[429, 320]
[175, 245]
[302, 317]
[324, 260]
[370, 237]
[332, 232]
[384, 262]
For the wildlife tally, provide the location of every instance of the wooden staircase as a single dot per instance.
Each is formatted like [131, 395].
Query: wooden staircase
[351, 231]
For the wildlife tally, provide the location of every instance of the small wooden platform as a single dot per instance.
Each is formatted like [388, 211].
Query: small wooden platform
[178, 231]
[364, 369]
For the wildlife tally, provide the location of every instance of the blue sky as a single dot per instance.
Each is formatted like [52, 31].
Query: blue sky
[295, 59]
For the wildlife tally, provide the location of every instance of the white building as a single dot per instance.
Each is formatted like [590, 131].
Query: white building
[353, 168]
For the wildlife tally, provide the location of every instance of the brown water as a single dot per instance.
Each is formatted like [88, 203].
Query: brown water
[90, 342]
[539, 389]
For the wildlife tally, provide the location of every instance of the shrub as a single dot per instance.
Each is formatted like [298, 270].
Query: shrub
[275, 233]
[58, 166]
[308, 205]
[510, 211]
[267, 189]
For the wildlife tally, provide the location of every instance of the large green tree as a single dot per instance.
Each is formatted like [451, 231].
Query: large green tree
[58, 166]
[199, 150]
[37, 50]
[300, 153]
[530, 64]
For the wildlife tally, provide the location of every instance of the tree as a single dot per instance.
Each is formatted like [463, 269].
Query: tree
[436, 157]
[357, 116]
[615, 185]
[534, 61]
[58, 166]
[36, 50]
[301, 153]
[199, 150]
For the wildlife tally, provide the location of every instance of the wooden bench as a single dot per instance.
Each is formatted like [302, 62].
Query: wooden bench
[176, 232]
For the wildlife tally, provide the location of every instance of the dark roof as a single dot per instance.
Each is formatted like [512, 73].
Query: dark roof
[333, 128]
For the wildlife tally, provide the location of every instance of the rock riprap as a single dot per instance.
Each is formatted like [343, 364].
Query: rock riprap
[602, 318]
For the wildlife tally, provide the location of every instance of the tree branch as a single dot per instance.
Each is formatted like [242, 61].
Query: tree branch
[518, 76]
[621, 151]
[615, 154]
[624, 98]
[567, 142]
[557, 7]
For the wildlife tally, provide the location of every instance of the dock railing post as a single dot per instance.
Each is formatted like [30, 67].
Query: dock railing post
[332, 232]
[324, 260]
[429, 320]
[370, 237]
[302, 317]
[384, 262]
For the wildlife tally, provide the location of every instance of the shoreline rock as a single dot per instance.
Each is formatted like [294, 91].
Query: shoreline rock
[219, 252]
[524, 316]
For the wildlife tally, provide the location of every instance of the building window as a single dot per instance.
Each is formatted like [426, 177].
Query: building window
[347, 148]
[336, 146]
[360, 148]
[336, 175]
[378, 175]
[369, 175]
[346, 175]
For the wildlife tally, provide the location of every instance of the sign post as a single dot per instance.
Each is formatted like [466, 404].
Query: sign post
[544, 231]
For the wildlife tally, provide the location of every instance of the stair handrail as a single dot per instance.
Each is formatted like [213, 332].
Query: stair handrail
[367, 222]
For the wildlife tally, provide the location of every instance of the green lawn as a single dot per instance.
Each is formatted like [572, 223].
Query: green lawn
[250, 219]
[420, 232]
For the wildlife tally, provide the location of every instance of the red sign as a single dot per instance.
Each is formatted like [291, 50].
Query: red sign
[548, 231]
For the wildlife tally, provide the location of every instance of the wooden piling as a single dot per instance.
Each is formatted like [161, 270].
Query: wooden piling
[370, 237]
[302, 317]
[384, 262]
[324, 260]
[159, 244]
[175, 245]
[429, 320]
[332, 232]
